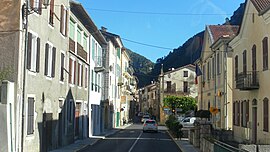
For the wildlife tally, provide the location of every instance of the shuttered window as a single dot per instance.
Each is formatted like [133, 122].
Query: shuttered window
[51, 12]
[80, 75]
[234, 113]
[185, 86]
[72, 29]
[93, 49]
[245, 62]
[33, 53]
[30, 116]
[86, 77]
[92, 80]
[265, 114]
[236, 66]
[62, 68]
[63, 20]
[265, 53]
[50, 55]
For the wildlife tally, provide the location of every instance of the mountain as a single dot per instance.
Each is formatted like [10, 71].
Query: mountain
[142, 67]
[188, 53]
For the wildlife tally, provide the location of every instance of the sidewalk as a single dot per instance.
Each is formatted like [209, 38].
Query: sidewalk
[81, 144]
[184, 144]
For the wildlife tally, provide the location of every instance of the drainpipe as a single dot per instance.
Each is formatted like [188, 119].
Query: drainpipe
[24, 69]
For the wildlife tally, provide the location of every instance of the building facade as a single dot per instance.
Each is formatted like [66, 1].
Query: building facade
[250, 74]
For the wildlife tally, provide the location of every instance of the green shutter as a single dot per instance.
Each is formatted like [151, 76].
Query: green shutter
[71, 29]
[118, 53]
[93, 49]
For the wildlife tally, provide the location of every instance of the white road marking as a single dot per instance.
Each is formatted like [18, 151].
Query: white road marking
[135, 142]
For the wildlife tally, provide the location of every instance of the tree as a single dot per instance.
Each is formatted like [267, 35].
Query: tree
[184, 103]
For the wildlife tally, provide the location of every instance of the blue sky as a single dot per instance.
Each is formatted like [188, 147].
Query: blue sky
[167, 24]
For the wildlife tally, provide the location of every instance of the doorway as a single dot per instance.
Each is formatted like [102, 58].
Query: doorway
[254, 124]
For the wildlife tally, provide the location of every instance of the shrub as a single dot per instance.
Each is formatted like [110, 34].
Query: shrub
[174, 126]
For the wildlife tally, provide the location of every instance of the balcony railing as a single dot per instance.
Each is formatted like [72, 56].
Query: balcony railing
[247, 81]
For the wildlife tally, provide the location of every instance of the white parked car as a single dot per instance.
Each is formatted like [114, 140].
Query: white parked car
[188, 121]
[150, 125]
[145, 117]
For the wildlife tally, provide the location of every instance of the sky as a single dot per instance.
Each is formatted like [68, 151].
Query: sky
[153, 28]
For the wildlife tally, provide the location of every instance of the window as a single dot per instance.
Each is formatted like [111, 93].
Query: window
[234, 114]
[92, 80]
[98, 82]
[169, 86]
[50, 53]
[63, 20]
[51, 12]
[218, 64]
[265, 114]
[33, 53]
[208, 71]
[265, 53]
[245, 62]
[30, 116]
[185, 86]
[62, 68]
[72, 29]
[85, 37]
[185, 73]
[86, 77]
[213, 67]
[93, 49]
[80, 75]
[118, 53]
[204, 77]
[254, 61]
[36, 5]
[236, 66]
[79, 35]
[72, 71]
[244, 113]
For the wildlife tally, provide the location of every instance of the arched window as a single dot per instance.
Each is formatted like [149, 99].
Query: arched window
[265, 53]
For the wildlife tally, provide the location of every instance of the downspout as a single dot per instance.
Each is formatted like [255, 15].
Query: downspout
[24, 68]
[225, 85]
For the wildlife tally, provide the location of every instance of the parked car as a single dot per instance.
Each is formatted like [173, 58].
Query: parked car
[145, 117]
[150, 125]
[188, 121]
[140, 114]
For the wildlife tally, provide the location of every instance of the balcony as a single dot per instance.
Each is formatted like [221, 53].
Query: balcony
[71, 45]
[247, 81]
[98, 64]
[81, 52]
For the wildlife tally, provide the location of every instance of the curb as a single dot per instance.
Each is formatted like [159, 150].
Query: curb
[109, 134]
[175, 142]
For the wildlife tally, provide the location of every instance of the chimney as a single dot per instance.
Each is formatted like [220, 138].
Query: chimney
[104, 29]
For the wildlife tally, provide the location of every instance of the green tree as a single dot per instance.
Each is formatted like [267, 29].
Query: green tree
[184, 103]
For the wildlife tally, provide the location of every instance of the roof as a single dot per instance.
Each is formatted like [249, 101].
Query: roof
[78, 10]
[217, 31]
[111, 37]
[261, 5]
[189, 66]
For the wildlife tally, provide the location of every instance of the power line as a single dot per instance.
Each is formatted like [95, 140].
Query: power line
[155, 13]
[149, 45]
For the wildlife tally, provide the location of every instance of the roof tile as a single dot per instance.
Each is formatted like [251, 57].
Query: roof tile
[261, 5]
[218, 31]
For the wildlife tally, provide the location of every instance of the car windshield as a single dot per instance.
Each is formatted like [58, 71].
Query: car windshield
[150, 122]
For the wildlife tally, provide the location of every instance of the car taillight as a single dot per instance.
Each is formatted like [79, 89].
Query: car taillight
[144, 125]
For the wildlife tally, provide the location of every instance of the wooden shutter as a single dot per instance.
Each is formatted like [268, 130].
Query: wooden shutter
[40, 7]
[51, 11]
[30, 116]
[74, 80]
[242, 113]
[61, 19]
[82, 76]
[234, 113]
[29, 50]
[53, 61]
[265, 115]
[46, 59]
[238, 113]
[236, 67]
[62, 67]
[70, 70]
[247, 111]
[67, 22]
[86, 81]
[38, 55]
[32, 3]
[79, 76]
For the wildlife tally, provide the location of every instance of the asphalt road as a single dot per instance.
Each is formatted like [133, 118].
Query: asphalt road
[132, 139]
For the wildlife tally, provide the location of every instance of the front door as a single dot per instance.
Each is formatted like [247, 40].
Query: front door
[254, 124]
[47, 132]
